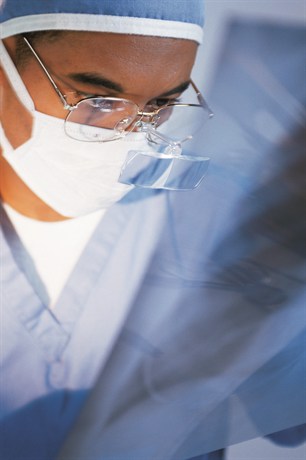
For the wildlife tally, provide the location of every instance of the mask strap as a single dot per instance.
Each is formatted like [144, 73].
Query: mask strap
[15, 79]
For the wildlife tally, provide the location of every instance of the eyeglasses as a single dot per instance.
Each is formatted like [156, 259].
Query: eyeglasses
[166, 126]
[102, 119]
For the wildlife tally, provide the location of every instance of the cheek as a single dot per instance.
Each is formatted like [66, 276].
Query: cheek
[42, 92]
[16, 120]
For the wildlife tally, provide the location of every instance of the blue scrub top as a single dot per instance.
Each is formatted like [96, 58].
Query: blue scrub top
[211, 351]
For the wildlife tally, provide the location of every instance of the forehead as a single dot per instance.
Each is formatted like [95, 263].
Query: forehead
[131, 60]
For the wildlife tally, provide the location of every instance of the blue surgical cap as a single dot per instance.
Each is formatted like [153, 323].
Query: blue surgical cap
[164, 18]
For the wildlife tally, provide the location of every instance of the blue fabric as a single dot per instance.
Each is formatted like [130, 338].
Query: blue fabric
[190, 11]
[212, 351]
[215, 342]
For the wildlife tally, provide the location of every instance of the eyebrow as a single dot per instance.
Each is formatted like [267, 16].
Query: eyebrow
[93, 79]
[177, 90]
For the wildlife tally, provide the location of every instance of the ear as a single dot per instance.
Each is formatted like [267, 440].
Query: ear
[1, 76]
[2, 85]
[10, 45]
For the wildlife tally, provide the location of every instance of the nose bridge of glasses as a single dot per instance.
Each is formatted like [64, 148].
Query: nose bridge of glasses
[150, 116]
[148, 113]
[142, 121]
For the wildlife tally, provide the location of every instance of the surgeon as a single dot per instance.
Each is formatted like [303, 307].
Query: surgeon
[130, 312]
[88, 92]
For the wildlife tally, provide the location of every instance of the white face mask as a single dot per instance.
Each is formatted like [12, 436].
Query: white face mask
[74, 178]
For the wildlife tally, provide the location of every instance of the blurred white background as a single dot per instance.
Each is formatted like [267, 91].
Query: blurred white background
[217, 14]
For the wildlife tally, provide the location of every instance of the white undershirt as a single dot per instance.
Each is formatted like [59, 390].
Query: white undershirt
[55, 247]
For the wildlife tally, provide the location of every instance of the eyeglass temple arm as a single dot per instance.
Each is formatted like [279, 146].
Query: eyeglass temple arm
[61, 96]
[201, 99]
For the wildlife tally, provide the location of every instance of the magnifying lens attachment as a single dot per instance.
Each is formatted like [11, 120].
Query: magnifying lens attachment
[167, 168]
[163, 170]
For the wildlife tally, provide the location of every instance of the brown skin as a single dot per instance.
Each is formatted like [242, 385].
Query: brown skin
[145, 67]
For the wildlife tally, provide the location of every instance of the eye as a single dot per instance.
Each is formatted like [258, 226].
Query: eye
[77, 96]
[163, 102]
[83, 95]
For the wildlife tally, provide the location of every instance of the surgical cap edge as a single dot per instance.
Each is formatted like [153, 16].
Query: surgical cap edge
[102, 23]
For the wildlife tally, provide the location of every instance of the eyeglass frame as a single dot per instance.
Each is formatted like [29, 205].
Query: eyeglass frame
[140, 114]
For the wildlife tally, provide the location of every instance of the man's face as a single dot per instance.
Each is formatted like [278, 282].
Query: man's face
[84, 64]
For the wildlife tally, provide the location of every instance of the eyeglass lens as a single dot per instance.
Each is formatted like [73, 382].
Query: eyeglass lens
[102, 119]
[98, 119]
